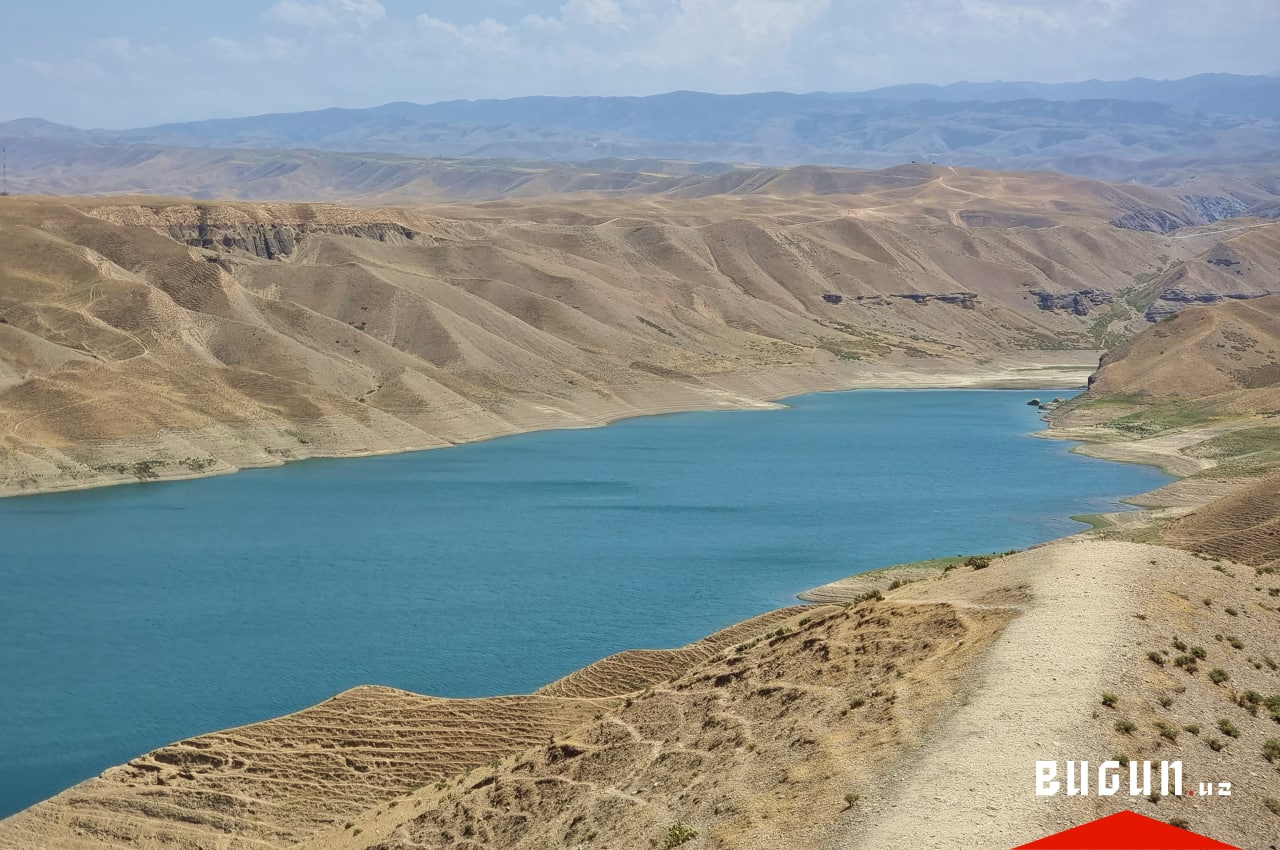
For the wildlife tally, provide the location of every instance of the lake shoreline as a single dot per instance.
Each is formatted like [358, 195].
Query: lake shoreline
[885, 573]
[761, 389]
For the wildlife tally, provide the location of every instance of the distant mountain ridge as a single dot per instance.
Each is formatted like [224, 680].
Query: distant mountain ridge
[1136, 129]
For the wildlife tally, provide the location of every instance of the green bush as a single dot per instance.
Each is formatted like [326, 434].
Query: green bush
[677, 834]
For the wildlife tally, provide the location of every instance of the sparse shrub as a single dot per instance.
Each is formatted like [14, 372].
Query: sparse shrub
[851, 799]
[1109, 699]
[1271, 749]
[1273, 805]
[1155, 658]
[1249, 700]
[1186, 662]
[1165, 701]
[978, 562]
[1199, 652]
[1180, 823]
[1235, 642]
[1179, 644]
[1125, 727]
[1217, 675]
[1193, 728]
[677, 834]
[1166, 731]
[1124, 760]
[1228, 728]
[1233, 612]
[1215, 744]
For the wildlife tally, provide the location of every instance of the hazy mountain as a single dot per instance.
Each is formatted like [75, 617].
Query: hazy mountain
[1139, 129]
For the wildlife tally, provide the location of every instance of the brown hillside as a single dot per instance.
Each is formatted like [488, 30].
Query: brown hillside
[145, 338]
[1243, 527]
[1200, 352]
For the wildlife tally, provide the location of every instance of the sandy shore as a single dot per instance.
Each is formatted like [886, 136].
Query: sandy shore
[249, 446]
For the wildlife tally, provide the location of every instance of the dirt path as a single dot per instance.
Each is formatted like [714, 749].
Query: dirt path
[970, 784]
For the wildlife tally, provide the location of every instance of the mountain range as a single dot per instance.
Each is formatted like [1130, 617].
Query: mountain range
[1158, 132]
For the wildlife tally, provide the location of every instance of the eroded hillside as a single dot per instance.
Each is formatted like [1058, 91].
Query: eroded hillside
[146, 338]
[863, 722]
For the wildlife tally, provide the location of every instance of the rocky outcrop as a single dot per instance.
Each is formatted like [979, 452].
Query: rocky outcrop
[266, 231]
[1150, 220]
[1079, 302]
[273, 241]
[965, 300]
[1174, 299]
[1214, 207]
[1197, 209]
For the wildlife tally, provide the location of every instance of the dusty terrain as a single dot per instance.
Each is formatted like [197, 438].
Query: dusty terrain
[143, 338]
[905, 709]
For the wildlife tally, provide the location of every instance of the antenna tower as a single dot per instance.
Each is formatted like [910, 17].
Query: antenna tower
[4, 171]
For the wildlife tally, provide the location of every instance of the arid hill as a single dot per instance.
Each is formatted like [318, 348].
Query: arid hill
[144, 338]
[1207, 379]
[1234, 346]
[861, 723]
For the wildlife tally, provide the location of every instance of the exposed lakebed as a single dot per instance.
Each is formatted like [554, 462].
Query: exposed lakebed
[135, 616]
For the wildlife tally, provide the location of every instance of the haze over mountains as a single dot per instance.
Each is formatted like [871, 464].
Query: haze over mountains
[1159, 132]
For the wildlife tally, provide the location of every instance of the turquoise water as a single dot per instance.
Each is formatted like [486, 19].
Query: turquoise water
[135, 616]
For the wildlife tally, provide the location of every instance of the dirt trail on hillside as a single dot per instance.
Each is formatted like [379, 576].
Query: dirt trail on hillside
[971, 783]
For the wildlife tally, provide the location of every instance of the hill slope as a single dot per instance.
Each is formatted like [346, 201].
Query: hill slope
[148, 338]
[867, 723]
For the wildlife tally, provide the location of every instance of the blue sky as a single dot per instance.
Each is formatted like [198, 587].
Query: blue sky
[137, 62]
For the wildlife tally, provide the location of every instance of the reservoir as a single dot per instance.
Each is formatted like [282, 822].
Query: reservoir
[134, 616]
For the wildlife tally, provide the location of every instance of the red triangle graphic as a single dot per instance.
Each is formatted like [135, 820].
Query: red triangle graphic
[1126, 831]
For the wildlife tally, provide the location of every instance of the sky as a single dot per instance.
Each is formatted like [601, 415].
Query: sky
[132, 63]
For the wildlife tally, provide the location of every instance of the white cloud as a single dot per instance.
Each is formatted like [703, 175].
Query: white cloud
[489, 35]
[595, 12]
[300, 14]
[269, 50]
[68, 71]
[330, 14]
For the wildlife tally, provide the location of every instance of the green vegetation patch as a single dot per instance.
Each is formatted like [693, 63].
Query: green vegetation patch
[1169, 416]
[1249, 449]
